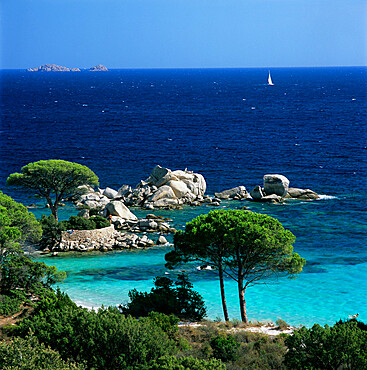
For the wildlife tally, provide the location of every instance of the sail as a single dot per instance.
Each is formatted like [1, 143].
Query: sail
[270, 82]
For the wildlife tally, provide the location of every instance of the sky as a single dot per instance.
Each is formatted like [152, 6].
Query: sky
[183, 33]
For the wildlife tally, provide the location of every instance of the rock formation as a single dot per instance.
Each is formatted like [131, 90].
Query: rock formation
[302, 194]
[276, 184]
[98, 68]
[276, 188]
[236, 193]
[52, 68]
[101, 239]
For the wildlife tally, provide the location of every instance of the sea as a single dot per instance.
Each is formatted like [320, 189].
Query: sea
[229, 126]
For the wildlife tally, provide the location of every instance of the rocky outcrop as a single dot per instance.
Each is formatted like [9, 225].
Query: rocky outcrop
[302, 194]
[276, 189]
[118, 208]
[276, 184]
[150, 224]
[98, 68]
[105, 239]
[236, 193]
[257, 193]
[52, 68]
[165, 189]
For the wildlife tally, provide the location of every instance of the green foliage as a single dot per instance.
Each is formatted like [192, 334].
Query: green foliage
[29, 354]
[104, 339]
[166, 297]
[10, 304]
[281, 324]
[53, 179]
[100, 222]
[225, 348]
[16, 223]
[18, 271]
[51, 232]
[185, 363]
[81, 223]
[342, 346]
[168, 323]
[78, 223]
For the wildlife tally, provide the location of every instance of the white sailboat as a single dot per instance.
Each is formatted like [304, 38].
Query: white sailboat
[270, 82]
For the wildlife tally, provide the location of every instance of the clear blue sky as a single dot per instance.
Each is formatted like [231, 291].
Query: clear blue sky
[183, 33]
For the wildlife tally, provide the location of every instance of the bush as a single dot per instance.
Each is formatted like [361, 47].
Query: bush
[9, 305]
[104, 339]
[51, 232]
[342, 346]
[81, 223]
[282, 325]
[29, 354]
[169, 298]
[100, 222]
[225, 348]
[185, 363]
[78, 223]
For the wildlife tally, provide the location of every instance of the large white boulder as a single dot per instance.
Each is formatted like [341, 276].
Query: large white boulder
[117, 208]
[164, 192]
[165, 202]
[160, 176]
[110, 193]
[276, 184]
[179, 188]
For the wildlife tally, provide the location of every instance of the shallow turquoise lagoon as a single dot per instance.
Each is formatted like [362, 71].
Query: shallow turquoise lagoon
[331, 287]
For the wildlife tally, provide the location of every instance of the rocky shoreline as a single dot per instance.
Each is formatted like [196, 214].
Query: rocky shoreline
[163, 189]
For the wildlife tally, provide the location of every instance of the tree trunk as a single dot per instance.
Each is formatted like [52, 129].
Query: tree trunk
[53, 207]
[241, 294]
[222, 293]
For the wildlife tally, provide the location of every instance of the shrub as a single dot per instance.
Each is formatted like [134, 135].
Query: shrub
[104, 339]
[281, 324]
[169, 298]
[225, 348]
[342, 346]
[51, 232]
[185, 363]
[78, 223]
[9, 305]
[81, 223]
[30, 354]
[100, 222]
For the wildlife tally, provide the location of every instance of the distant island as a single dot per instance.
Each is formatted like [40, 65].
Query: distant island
[98, 68]
[56, 68]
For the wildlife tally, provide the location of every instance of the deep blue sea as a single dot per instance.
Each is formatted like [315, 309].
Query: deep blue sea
[231, 127]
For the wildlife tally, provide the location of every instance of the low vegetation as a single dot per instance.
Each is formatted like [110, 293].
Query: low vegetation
[168, 297]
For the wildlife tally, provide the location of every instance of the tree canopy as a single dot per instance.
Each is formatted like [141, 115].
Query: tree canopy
[53, 179]
[249, 247]
[16, 223]
[16, 269]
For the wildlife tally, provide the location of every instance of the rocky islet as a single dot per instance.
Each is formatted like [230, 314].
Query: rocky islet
[163, 189]
[57, 68]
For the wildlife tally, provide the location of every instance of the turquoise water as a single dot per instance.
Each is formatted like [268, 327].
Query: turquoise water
[332, 285]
